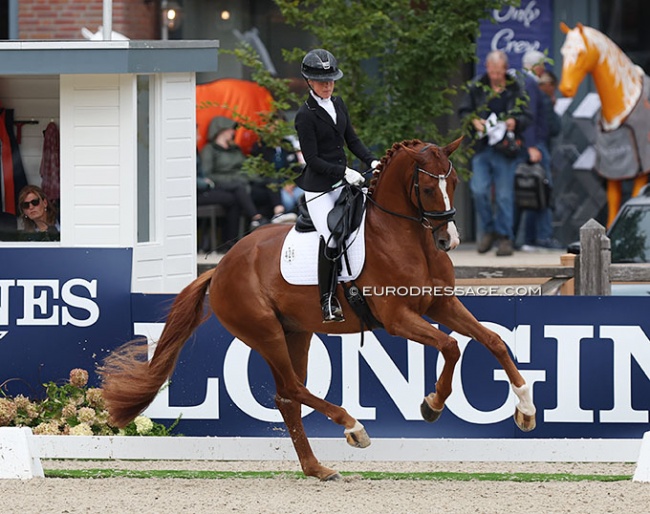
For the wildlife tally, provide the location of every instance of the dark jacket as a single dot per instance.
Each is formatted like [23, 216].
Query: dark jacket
[475, 102]
[222, 165]
[536, 132]
[323, 144]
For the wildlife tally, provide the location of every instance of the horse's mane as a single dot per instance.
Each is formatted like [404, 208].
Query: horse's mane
[385, 160]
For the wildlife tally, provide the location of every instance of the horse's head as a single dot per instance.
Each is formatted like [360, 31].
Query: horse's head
[431, 182]
[579, 57]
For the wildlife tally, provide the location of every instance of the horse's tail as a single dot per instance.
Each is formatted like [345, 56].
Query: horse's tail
[129, 382]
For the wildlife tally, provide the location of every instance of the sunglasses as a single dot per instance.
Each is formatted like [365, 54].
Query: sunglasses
[34, 203]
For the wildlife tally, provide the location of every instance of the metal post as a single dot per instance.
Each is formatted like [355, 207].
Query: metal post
[164, 29]
[107, 20]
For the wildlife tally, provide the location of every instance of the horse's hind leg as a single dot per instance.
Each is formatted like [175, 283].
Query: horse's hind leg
[298, 344]
[455, 315]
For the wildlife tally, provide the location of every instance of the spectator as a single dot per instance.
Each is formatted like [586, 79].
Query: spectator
[494, 95]
[285, 157]
[39, 216]
[538, 231]
[221, 163]
[207, 193]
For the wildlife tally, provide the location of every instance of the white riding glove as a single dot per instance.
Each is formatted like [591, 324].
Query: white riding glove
[353, 177]
[374, 164]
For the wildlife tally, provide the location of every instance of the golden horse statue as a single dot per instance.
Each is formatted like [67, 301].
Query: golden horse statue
[620, 85]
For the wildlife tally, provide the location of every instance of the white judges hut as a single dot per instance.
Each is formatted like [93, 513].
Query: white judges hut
[126, 115]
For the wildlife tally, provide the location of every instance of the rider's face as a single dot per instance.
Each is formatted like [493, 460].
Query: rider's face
[324, 89]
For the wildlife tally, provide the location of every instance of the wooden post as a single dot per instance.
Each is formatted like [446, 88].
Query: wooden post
[595, 259]
[568, 288]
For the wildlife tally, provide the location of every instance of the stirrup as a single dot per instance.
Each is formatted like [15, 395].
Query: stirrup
[331, 309]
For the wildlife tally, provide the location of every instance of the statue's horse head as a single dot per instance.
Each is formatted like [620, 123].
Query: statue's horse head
[579, 58]
[618, 80]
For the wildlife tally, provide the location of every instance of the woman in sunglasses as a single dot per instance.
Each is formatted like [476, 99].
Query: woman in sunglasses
[39, 216]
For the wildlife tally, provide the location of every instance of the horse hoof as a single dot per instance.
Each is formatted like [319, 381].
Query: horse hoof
[357, 436]
[334, 477]
[525, 422]
[428, 414]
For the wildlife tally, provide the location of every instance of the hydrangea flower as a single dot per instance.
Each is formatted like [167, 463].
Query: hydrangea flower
[49, 428]
[7, 412]
[78, 377]
[143, 425]
[81, 429]
[95, 397]
[86, 415]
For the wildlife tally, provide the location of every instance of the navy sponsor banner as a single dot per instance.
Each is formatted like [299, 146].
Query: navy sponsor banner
[587, 360]
[517, 30]
[60, 308]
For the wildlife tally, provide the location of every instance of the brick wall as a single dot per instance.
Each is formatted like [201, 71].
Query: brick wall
[63, 19]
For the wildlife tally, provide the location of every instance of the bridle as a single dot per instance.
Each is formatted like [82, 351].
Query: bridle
[427, 219]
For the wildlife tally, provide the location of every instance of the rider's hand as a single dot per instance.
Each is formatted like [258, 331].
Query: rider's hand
[374, 164]
[353, 177]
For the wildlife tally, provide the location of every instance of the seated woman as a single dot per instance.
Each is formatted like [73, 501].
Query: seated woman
[39, 216]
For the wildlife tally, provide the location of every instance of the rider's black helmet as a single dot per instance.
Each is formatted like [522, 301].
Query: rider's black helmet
[320, 64]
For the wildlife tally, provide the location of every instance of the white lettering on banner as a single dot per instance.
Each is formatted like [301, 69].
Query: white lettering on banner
[4, 301]
[568, 373]
[628, 342]
[40, 302]
[235, 377]
[3, 333]
[400, 389]
[525, 16]
[31, 302]
[505, 39]
[518, 340]
[160, 408]
[79, 302]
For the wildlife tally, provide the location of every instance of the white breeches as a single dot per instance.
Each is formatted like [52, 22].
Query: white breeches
[319, 206]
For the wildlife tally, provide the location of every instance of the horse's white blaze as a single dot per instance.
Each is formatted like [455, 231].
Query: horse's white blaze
[454, 238]
[525, 404]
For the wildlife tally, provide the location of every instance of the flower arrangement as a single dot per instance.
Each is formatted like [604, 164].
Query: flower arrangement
[72, 409]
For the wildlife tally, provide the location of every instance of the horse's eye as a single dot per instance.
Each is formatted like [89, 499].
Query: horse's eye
[427, 191]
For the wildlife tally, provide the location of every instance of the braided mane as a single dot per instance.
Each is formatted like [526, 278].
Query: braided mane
[385, 160]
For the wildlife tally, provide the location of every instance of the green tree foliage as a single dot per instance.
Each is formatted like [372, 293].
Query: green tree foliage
[399, 58]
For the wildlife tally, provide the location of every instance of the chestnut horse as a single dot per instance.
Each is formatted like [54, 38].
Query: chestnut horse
[618, 81]
[409, 201]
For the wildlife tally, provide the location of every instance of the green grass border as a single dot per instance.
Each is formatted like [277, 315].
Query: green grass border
[365, 475]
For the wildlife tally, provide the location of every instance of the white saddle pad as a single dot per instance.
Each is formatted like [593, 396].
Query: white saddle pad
[299, 259]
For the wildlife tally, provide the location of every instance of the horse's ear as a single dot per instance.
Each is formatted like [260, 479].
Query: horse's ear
[564, 27]
[580, 26]
[452, 147]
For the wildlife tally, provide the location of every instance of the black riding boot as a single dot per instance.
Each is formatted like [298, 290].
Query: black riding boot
[327, 282]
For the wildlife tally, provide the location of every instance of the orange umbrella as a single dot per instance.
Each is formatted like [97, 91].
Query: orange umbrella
[241, 100]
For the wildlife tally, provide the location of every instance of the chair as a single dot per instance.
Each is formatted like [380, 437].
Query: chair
[211, 215]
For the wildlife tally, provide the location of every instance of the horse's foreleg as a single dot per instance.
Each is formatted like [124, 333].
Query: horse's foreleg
[411, 326]
[454, 315]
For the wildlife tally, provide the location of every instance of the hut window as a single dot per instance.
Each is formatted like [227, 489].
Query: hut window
[145, 192]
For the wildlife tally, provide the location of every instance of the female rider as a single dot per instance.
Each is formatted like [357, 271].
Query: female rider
[324, 128]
